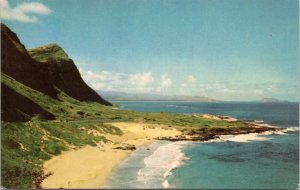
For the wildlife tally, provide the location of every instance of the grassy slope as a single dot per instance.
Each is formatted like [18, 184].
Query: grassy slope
[25, 146]
[50, 52]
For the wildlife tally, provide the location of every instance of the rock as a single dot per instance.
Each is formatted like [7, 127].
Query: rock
[125, 147]
[14, 105]
[47, 69]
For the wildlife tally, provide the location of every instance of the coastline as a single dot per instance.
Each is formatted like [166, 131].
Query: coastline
[87, 167]
[148, 167]
[90, 167]
[153, 165]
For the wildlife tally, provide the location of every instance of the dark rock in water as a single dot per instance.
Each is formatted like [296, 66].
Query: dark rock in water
[207, 137]
[16, 107]
[248, 120]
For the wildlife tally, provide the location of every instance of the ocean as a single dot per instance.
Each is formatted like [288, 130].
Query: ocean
[265, 161]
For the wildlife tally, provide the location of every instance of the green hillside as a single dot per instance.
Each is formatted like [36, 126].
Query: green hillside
[26, 145]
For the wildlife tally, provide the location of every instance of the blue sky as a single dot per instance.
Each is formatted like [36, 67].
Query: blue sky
[223, 49]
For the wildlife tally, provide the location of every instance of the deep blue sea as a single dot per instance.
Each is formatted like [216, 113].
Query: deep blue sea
[267, 161]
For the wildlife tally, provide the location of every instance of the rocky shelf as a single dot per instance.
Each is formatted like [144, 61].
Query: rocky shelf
[206, 134]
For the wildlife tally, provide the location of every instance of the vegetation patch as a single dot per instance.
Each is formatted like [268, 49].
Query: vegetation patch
[26, 145]
[54, 147]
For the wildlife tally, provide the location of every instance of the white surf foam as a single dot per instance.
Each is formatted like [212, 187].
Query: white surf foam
[254, 136]
[160, 164]
[291, 129]
[166, 184]
[177, 106]
[243, 137]
[259, 121]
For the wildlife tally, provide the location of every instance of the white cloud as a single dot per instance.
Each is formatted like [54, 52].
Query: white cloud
[166, 81]
[188, 86]
[191, 79]
[141, 79]
[107, 81]
[144, 82]
[234, 90]
[98, 86]
[102, 76]
[23, 11]
[165, 86]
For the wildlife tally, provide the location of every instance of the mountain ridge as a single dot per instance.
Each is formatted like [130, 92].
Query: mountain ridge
[272, 100]
[123, 96]
[47, 69]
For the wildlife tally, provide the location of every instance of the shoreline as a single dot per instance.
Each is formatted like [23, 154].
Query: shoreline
[157, 157]
[205, 134]
[90, 167]
[153, 175]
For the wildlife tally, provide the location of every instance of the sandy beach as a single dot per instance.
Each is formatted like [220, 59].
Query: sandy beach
[89, 167]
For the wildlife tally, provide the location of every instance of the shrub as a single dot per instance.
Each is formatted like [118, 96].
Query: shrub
[80, 113]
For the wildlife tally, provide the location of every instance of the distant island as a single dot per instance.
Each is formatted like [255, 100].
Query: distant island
[272, 100]
[122, 96]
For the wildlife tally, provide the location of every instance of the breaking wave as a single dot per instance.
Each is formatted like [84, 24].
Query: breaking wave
[159, 165]
[254, 136]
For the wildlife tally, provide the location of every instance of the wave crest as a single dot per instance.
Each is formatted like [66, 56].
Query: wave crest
[254, 136]
[159, 165]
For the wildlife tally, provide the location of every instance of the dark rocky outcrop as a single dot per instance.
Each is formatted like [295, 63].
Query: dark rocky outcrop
[47, 69]
[203, 134]
[64, 74]
[16, 107]
[125, 147]
[17, 63]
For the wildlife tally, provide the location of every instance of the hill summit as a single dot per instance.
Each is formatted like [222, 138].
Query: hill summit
[50, 52]
[47, 69]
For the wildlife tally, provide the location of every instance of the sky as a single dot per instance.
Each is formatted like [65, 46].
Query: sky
[223, 49]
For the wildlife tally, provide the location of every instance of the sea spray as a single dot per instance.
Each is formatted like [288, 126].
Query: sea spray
[243, 137]
[148, 167]
[160, 164]
[125, 174]
[255, 136]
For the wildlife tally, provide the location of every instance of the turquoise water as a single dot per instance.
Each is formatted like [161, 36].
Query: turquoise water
[266, 164]
[264, 161]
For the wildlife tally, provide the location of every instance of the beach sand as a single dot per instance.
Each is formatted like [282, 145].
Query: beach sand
[89, 167]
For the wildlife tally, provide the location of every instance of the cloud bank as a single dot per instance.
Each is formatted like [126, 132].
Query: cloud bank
[145, 82]
[23, 11]
[104, 80]
[165, 81]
